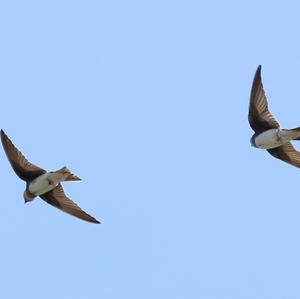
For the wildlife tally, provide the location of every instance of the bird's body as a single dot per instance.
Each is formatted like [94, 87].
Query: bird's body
[45, 183]
[268, 134]
[273, 138]
[39, 182]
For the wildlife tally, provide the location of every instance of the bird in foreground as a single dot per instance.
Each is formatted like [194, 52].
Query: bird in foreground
[39, 182]
[268, 134]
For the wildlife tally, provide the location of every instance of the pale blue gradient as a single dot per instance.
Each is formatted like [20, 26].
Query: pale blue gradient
[147, 102]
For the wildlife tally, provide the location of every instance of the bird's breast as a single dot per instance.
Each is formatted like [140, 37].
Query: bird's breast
[44, 183]
[268, 139]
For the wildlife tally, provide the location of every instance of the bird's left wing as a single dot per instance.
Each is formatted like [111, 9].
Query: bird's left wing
[57, 198]
[286, 153]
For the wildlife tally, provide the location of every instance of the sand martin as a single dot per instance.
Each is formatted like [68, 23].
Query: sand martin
[268, 134]
[44, 184]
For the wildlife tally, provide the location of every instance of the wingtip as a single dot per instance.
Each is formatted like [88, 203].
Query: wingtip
[89, 219]
[257, 75]
[4, 137]
[258, 71]
[92, 220]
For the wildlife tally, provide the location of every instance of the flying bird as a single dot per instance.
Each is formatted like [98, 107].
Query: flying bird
[268, 134]
[39, 182]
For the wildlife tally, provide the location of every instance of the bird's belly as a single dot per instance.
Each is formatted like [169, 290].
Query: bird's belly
[44, 183]
[268, 139]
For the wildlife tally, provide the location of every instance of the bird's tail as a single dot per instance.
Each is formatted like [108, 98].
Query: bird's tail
[70, 176]
[296, 130]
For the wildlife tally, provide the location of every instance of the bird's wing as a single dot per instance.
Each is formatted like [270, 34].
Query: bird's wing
[259, 116]
[57, 198]
[286, 153]
[22, 167]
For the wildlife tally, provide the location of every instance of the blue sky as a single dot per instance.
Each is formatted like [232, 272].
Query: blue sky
[147, 102]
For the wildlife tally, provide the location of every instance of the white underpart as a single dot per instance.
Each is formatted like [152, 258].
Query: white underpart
[46, 182]
[274, 137]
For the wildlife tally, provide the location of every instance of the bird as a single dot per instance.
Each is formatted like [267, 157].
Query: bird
[268, 134]
[39, 182]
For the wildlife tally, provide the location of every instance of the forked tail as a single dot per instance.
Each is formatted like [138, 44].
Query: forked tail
[71, 177]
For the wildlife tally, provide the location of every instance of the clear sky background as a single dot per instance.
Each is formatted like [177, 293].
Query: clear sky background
[147, 102]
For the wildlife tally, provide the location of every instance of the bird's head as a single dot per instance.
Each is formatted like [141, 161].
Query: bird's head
[28, 196]
[252, 140]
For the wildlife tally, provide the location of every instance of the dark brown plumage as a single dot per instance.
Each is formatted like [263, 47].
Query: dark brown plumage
[22, 167]
[259, 116]
[286, 153]
[57, 198]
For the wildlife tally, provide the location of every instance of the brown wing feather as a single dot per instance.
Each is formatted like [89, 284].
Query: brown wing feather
[286, 153]
[58, 199]
[22, 167]
[259, 116]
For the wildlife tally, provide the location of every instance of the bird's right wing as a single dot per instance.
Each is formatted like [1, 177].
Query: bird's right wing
[22, 167]
[57, 198]
[286, 153]
[260, 118]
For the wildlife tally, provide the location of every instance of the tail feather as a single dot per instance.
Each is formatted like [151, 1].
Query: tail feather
[297, 131]
[71, 177]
